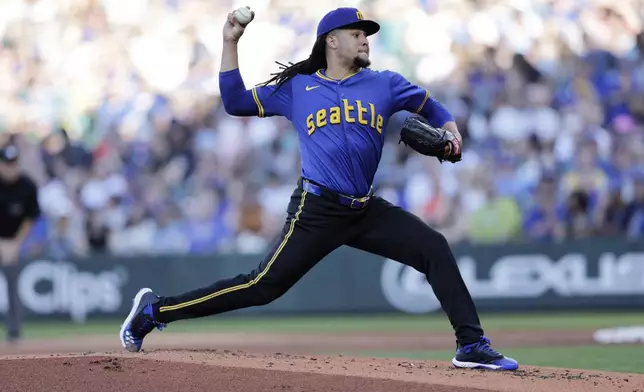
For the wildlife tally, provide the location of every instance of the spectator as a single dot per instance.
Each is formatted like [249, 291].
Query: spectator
[97, 233]
[587, 179]
[205, 226]
[543, 220]
[634, 214]
[250, 239]
[499, 218]
[59, 245]
[170, 238]
[615, 219]
[136, 237]
[578, 219]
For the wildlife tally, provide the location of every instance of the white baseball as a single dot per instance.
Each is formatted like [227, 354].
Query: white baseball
[243, 15]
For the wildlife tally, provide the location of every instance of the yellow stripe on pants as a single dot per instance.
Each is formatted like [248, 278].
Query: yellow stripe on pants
[252, 282]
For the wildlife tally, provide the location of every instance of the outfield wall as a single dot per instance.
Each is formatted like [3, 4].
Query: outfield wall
[584, 274]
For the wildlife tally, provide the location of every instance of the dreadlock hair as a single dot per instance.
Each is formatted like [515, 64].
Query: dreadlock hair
[316, 61]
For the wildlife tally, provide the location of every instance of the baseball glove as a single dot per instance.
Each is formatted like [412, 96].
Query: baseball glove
[430, 141]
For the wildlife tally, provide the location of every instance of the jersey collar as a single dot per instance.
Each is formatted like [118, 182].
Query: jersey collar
[320, 73]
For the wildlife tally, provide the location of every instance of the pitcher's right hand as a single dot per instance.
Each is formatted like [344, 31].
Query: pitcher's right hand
[233, 30]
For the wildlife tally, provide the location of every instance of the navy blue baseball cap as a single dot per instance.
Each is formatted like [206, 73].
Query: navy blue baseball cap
[346, 17]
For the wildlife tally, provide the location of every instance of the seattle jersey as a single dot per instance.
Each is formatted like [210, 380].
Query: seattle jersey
[340, 123]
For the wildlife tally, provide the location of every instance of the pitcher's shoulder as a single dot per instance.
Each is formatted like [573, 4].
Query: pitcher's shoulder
[384, 74]
[389, 74]
[372, 72]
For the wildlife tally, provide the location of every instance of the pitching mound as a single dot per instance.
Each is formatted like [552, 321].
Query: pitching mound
[239, 371]
[295, 342]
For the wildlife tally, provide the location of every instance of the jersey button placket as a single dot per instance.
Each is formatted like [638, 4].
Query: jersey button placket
[345, 125]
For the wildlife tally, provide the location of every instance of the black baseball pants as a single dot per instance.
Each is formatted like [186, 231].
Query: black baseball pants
[315, 226]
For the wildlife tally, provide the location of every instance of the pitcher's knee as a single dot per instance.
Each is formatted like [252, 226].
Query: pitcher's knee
[435, 241]
[441, 240]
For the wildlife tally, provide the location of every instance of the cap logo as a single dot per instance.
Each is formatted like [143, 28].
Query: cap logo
[359, 15]
[11, 152]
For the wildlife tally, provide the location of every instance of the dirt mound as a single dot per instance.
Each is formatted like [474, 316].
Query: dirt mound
[279, 362]
[296, 342]
[239, 371]
[134, 374]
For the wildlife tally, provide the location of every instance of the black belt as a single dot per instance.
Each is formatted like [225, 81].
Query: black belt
[349, 201]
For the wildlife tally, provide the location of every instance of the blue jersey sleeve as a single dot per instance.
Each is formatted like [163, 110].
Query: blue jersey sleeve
[415, 99]
[264, 101]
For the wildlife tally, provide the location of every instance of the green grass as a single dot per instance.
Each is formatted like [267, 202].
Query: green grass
[617, 358]
[390, 323]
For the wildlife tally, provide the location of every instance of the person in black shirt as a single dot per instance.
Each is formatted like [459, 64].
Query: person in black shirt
[18, 210]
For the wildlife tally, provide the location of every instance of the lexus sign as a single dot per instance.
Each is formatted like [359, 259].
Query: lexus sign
[521, 276]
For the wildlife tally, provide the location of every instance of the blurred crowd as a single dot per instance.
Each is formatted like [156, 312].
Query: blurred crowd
[115, 107]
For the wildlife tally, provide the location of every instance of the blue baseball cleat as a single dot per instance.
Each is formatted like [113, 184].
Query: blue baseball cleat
[140, 321]
[480, 355]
